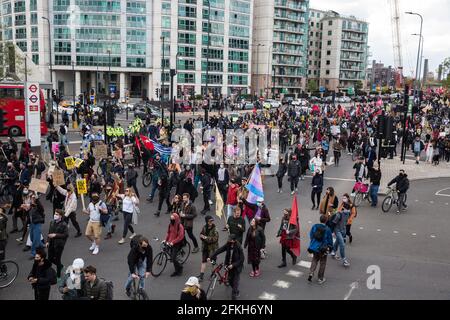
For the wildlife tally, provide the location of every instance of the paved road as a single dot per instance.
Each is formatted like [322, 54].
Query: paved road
[411, 250]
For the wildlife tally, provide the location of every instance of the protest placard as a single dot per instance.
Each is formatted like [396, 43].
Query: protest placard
[38, 185]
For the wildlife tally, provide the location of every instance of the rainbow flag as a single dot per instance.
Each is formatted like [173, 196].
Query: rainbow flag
[255, 187]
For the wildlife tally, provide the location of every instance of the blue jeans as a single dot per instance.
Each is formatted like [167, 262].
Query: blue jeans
[373, 193]
[340, 243]
[230, 210]
[154, 188]
[141, 267]
[35, 237]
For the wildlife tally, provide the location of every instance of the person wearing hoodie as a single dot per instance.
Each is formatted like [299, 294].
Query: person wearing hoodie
[210, 242]
[321, 242]
[56, 240]
[42, 275]
[188, 213]
[175, 240]
[232, 199]
[317, 186]
[72, 284]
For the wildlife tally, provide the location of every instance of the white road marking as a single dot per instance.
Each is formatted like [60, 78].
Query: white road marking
[431, 202]
[353, 286]
[282, 284]
[442, 195]
[361, 228]
[267, 296]
[295, 274]
[304, 264]
[395, 231]
[309, 222]
[417, 200]
[379, 230]
[335, 179]
[446, 203]
[432, 236]
[414, 234]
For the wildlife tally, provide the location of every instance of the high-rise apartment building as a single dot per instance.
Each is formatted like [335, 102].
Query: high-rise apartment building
[343, 52]
[280, 47]
[117, 45]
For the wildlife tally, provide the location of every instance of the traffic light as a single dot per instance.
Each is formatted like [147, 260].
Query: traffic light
[389, 129]
[157, 92]
[53, 94]
[381, 126]
[3, 119]
[111, 115]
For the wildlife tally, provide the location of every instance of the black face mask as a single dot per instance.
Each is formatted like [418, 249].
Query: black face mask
[172, 222]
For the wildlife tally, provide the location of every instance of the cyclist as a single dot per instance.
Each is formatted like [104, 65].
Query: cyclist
[140, 260]
[175, 239]
[402, 185]
[234, 261]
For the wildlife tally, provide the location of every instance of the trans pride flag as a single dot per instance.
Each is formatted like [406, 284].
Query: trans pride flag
[254, 186]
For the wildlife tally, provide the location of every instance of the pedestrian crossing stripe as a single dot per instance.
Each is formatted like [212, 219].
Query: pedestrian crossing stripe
[304, 264]
[282, 284]
[295, 274]
[267, 296]
[395, 231]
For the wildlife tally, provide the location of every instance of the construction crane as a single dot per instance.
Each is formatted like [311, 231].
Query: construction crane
[397, 42]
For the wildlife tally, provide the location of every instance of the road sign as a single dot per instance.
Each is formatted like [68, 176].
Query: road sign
[32, 114]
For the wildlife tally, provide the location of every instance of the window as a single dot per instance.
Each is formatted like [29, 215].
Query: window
[329, 42]
[330, 22]
[327, 72]
[186, 78]
[330, 32]
[187, 51]
[189, 12]
[237, 68]
[328, 62]
[165, 8]
[188, 25]
[33, 18]
[62, 60]
[187, 38]
[238, 55]
[312, 24]
[238, 44]
[34, 46]
[237, 80]
[213, 53]
[328, 53]
[34, 32]
[186, 64]
[35, 58]
[213, 66]
[165, 22]
[62, 46]
[136, 62]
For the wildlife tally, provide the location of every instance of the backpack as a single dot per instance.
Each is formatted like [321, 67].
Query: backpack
[319, 234]
[109, 289]
[53, 279]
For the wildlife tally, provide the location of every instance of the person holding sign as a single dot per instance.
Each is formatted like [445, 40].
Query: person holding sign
[70, 207]
[94, 227]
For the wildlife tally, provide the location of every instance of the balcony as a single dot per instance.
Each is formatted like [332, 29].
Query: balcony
[354, 39]
[289, 29]
[290, 6]
[290, 17]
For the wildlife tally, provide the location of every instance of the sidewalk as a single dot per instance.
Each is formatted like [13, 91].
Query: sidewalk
[391, 168]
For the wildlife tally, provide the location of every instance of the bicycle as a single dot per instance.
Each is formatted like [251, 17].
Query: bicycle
[160, 261]
[216, 276]
[360, 194]
[8, 273]
[138, 293]
[391, 198]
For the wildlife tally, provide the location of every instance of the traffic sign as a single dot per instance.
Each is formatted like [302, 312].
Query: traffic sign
[33, 98]
[32, 113]
[33, 88]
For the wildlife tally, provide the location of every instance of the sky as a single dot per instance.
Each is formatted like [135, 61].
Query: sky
[436, 28]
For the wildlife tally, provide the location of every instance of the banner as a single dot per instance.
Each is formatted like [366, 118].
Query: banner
[38, 185]
[58, 177]
[81, 186]
[70, 163]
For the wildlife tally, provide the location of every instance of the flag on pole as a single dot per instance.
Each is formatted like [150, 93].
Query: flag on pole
[255, 187]
[219, 203]
[138, 144]
[147, 142]
[294, 221]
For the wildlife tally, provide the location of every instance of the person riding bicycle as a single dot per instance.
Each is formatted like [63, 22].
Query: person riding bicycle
[175, 239]
[234, 262]
[140, 260]
[402, 186]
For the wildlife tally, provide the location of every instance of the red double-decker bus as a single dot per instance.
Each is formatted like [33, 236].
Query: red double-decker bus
[12, 101]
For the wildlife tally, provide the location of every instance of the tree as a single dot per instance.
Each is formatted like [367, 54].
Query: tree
[445, 67]
[312, 86]
[359, 85]
[12, 60]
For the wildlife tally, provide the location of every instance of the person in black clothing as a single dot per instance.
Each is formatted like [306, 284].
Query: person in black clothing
[294, 173]
[282, 169]
[207, 188]
[234, 261]
[131, 176]
[56, 240]
[139, 260]
[375, 178]
[402, 186]
[317, 186]
[188, 213]
[164, 194]
[15, 207]
[42, 275]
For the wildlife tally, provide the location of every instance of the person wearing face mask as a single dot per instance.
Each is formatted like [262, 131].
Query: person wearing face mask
[94, 227]
[338, 225]
[329, 202]
[37, 219]
[139, 260]
[175, 239]
[210, 242]
[73, 281]
[188, 213]
[223, 179]
[42, 275]
[317, 185]
[287, 234]
[402, 185]
[56, 240]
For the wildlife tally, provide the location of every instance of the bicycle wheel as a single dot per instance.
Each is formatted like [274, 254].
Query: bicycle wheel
[159, 264]
[8, 273]
[211, 287]
[147, 179]
[184, 252]
[357, 199]
[387, 204]
[142, 295]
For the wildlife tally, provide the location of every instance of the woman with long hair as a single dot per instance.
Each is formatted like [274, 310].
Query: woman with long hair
[129, 203]
[254, 241]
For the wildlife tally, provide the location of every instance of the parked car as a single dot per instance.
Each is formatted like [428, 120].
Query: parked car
[248, 106]
[273, 103]
[125, 106]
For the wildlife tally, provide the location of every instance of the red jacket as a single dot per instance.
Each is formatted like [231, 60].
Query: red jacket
[175, 232]
[232, 194]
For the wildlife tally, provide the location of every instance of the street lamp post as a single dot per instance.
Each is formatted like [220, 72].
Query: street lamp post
[207, 61]
[51, 67]
[268, 71]
[173, 73]
[418, 51]
[161, 95]
[74, 79]
[96, 75]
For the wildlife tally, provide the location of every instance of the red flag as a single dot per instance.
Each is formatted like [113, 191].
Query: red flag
[138, 144]
[294, 221]
[147, 142]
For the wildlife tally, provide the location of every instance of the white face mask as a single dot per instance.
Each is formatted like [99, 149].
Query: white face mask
[345, 200]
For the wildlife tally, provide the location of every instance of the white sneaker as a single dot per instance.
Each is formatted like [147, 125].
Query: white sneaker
[96, 250]
[346, 263]
[281, 191]
[121, 241]
[210, 202]
[321, 281]
[132, 236]
[92, 246]
[292, 193]
[333, 254]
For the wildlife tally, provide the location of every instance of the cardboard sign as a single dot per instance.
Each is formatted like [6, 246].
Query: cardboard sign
[55, 147]
[78, 162]
[81, 186]
[38, 185]
[70, 163]
[100, 151]
[58, 177]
